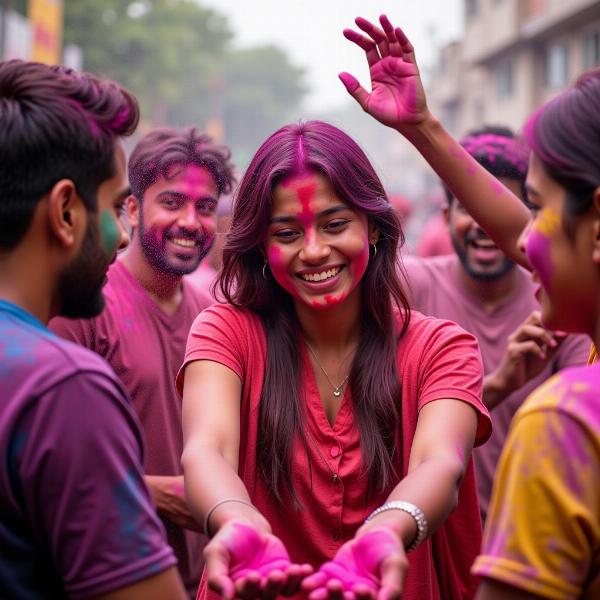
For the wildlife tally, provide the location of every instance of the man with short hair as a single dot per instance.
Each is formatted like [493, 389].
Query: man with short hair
[482, 290]
[176, 178]
[76, 518]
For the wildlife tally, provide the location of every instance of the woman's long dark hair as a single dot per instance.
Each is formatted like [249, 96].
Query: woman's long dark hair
[374, 380]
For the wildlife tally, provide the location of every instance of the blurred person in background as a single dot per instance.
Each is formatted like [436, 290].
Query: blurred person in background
[77, 520]
[434, 239]
[205, 276]
[485, 292]
[177, 177]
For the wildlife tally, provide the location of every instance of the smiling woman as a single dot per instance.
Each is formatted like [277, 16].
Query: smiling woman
[315, 397]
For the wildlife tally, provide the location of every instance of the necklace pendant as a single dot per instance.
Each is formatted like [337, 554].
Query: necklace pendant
[337, 392]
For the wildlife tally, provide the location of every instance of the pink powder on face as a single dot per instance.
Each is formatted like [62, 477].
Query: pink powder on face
[329, 300]
[361, 261]
[537, 249]
[538, 245]
[306, 216]
[279, 270]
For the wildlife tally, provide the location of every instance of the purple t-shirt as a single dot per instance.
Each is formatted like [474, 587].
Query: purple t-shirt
[145, 346]
[76, 519]
[436, 289]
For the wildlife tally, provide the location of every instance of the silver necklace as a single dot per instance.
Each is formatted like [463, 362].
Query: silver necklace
[337, 389]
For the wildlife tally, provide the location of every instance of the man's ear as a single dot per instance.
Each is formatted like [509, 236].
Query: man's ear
[373, 234]
[67, 214]
[596, 226]
[132, 210]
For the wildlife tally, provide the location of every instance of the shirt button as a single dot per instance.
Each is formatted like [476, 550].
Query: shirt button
[335, 451]
[337, 536]
[335, 478]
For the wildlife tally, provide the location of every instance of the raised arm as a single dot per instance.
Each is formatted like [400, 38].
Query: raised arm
[397, 99]
[243, 558]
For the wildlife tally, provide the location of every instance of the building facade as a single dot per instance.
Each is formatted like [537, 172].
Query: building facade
[515, 55]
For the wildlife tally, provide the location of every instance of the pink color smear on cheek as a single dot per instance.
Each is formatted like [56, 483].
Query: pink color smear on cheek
[537, 249]
[280, 272]
[361, 261]
[538, 245]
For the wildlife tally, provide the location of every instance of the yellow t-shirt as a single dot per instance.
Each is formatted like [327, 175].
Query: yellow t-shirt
[543, 530]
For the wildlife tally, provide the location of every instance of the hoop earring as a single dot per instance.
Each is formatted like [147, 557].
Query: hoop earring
[264, 271]
[374, 250]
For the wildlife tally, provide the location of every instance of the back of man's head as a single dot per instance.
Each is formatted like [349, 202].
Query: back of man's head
[55, 123]
[162, 149]
[498, 151]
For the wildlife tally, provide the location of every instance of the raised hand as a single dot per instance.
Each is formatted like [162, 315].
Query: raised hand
[397, 98]
[368, 567]
[247, 563]
[530, 348]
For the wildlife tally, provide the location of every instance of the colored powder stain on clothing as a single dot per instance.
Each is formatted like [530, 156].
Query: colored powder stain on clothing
[109, 231]
[127, 501]
[14, 347]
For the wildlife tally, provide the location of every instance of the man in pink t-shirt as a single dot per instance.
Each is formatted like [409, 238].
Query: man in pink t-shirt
[176, 178]
[479, 288]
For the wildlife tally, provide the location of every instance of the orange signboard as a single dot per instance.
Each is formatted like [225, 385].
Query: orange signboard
[46, 18]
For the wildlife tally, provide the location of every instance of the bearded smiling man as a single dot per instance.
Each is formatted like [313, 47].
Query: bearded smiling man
[176, 178]
[482, 290]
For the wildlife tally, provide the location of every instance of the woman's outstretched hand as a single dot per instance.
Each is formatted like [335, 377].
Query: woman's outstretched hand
[397, 98]
[369, 567]
[243, 562]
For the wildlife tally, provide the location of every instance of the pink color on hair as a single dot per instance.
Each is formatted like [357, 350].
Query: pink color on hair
[118, 121]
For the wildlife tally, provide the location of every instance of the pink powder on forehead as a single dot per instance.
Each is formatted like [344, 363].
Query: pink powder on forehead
[538, 245]
[306, 193]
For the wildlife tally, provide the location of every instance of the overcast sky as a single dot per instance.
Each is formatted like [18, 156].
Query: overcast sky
[311, 33]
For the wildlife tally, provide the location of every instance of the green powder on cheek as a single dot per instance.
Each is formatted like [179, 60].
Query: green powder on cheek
[109, 231]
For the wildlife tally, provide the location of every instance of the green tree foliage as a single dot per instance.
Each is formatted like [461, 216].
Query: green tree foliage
[176, 56]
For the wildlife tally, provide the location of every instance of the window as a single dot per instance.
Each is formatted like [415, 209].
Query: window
[557, 65]
[471, 8]
[591, 49]
[505, 79]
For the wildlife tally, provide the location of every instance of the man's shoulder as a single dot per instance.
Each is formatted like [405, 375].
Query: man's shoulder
[196, 296]
[33, 355]
[431, 267]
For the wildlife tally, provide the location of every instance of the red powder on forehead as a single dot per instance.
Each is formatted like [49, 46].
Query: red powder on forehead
[306, 193]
